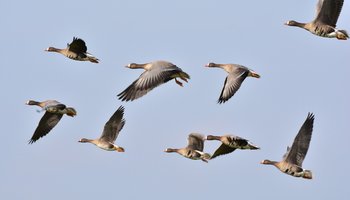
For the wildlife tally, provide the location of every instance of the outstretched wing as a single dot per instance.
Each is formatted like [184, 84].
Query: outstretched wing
[328, 11]
[146, 82]
[232, 83]
[297, 152]
[113, 126]
[46, 123]
[222, 150]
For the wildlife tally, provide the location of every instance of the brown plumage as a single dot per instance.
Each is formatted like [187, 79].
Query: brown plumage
[324, 24]
[155, 74]
[110, 132]
[76, 50]
[294, 157]
[54, 112]
[194, 148]
[230, 143]
[236, 76]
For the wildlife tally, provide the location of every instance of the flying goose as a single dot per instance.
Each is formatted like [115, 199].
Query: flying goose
[236, 75]
[194, 149]
[76, 50]
[110, 132]
[54, 112]
[327, 13]
[294, 157]
[230, 143]
[155, 74]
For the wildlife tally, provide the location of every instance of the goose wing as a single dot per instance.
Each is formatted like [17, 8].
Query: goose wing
[297, 152]
[195, 141]
[328, 11]
[232, 83]
[222, 150]
[147, 81]
[77, 46]
[113, 126]
[46, 123]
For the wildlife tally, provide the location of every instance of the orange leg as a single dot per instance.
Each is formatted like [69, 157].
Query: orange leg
[184, 79]
[178, 82]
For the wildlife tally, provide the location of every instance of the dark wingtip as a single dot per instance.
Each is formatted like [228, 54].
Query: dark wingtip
[76, 38]
[310, 116]
[121, 109]
[31, 141]
[221, 101]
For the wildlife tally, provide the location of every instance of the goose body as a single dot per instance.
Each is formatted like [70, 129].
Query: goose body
[194, 149]
[110, 132]
[54, 111]
[155, 74]
[236, 76]
[230, 143]
[324, 24]
[76, 50]
[292, 161]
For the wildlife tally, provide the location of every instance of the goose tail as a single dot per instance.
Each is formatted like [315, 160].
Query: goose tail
[342, 35]
[71, 111]
[307, 174]
[119, 149]
[93, 59]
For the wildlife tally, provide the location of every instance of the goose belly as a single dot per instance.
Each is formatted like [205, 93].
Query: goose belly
[326, 32]
[107, 147]
[326, 35]
[193, 155]
[293, 171]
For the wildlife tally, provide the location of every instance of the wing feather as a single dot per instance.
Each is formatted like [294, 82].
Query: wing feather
[113, 126]
[232, 83]
[297, 152]
[328, 11]
[222, 150]
[196, 141]
[78, 46]
[46, 124]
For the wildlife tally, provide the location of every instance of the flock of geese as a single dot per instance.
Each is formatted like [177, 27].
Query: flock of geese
[159, 72]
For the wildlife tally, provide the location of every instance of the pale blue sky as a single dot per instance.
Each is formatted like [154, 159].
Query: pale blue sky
[300, 73]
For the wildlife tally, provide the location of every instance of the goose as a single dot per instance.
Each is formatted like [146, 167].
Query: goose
[327, 13]
[155, 74]
[292, 161]
[236, 75]
[76, 50]
[54, 112]
[230, 143]
[194, 149]
[110, 133]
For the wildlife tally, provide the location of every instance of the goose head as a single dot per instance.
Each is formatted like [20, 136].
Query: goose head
[291, 23]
